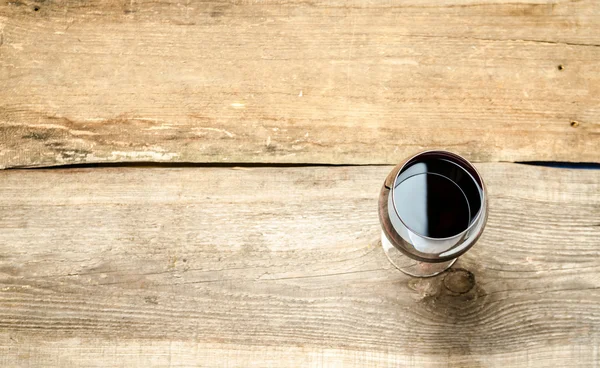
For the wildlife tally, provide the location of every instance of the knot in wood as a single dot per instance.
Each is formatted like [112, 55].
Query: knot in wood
[459, 281]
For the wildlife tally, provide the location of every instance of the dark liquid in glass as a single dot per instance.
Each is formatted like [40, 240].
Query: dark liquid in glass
[432, 204]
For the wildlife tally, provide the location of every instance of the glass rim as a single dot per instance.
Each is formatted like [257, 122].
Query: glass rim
[461, 162]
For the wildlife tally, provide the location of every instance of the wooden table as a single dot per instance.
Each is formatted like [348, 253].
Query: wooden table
[202, 229]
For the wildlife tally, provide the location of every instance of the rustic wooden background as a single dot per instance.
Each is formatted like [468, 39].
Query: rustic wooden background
[236, 252]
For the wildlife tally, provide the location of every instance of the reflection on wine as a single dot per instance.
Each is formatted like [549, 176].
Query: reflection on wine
[432, 205]
[432, 209]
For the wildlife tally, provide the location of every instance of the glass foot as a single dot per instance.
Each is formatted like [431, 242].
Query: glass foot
[410, 266]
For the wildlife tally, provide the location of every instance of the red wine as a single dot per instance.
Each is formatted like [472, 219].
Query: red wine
[432, 208]
[431, 204]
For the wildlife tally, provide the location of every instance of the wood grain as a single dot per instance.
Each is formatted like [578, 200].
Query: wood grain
[323, 81]
[282, 267]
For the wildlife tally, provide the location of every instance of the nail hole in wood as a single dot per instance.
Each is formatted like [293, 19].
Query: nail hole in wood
[574, 124]
[36, 8]
[560, 67]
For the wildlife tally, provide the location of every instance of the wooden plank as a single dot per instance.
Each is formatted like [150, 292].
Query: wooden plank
[324, 81]
[283, 267]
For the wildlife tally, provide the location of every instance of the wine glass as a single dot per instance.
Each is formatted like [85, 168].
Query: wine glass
[432, 208]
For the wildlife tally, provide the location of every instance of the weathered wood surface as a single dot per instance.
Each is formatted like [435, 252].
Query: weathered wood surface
[323, 81]
[282, 267]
